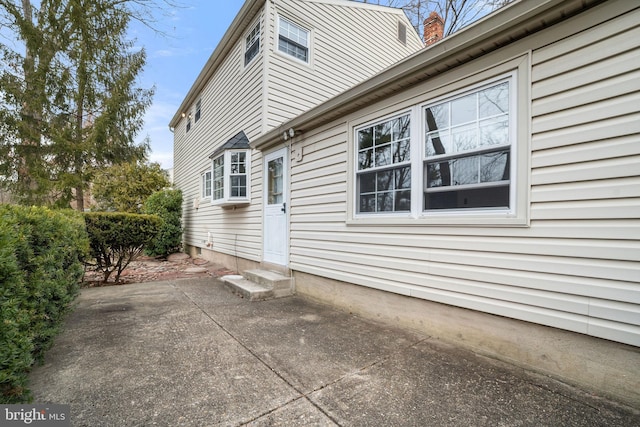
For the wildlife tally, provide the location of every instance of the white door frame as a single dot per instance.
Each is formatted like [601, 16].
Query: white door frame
[275, 216]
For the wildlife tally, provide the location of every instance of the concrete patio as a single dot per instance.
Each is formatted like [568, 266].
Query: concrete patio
[191, 353]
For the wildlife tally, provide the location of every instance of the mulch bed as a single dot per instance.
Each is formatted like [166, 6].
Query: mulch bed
[149, 269]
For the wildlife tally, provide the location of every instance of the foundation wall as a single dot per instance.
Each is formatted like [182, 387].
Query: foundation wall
[604, 367]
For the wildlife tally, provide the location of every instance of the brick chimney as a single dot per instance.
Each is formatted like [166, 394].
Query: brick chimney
[433, 29]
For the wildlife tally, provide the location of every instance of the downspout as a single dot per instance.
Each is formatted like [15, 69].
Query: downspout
[266, 62]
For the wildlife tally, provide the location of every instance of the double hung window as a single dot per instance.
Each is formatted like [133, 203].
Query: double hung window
[252, 44]
[293, 40]
[198, 110]
[206, 184]
[384, 166]
[463, 161]
[467, 150]
[218, 178]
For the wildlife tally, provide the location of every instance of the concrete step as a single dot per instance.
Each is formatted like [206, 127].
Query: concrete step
[282, 285]
[247, 289]
[256, 285]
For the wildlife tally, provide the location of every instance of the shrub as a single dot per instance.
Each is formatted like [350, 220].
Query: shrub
[117, 238]
[41, 265]
[167, 204]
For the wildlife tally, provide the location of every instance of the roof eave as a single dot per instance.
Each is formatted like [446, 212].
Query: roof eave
[233, 33]
[498, 29]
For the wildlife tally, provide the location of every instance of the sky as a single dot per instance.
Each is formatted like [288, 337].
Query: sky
[174, 61]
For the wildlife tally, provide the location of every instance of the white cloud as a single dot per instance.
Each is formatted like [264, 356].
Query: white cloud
[156, 128]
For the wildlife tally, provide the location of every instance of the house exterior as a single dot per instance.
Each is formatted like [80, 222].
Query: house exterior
[486, 190]
[276, 60]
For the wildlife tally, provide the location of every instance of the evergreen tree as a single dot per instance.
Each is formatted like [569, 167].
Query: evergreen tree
[126, 187]
[70, 100]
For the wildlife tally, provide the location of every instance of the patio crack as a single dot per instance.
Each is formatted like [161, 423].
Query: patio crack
[301, 394]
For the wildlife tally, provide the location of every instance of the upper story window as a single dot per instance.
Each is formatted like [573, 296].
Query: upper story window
[293, 40]
[189, 122]
[231, 182]
[252, 44]
[198, 110]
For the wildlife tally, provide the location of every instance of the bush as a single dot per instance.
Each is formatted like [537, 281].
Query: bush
[118, 238]
[41, 265]
[167, 204]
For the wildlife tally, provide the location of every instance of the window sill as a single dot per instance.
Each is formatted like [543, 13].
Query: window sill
[230, 203]
[450, 219]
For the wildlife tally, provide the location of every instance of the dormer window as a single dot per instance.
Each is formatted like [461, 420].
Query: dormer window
[293, 40]
[231, 181]
[252, 45]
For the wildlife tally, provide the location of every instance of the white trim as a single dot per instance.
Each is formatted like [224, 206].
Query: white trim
[510, 77]
[203, 196]
[517, 71]
[284, 153]
[276, 48]
[227, 199]
[260, 39]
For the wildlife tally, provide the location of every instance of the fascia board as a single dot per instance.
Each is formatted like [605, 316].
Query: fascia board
[498, 29]
[231, 36]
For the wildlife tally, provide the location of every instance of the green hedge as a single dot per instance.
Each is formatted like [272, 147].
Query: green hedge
[41, 265]
[117, 238]
[167, 204]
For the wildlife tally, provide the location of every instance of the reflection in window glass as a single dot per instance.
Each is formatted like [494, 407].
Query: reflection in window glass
[293, 40]
[206, 184]
[275, 181]
[384, 170]
[467, 150]
[218, 178]
[252, 44]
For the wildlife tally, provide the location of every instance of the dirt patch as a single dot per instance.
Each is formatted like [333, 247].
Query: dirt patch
[148, 269]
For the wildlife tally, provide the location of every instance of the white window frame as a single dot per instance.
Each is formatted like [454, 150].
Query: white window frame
[395, 141]
[205, 178]
[295, 43]
[474, 126]
[252, 38]
[198, 110]
[224, 196]
[517, 70]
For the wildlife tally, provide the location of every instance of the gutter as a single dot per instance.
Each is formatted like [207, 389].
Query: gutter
[500, 28]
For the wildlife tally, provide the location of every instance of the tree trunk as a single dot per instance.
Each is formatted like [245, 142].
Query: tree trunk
[80, 198]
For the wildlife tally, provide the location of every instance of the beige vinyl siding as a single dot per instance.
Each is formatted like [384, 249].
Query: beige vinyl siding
[235, 232]
[343, 52]
[576, 266]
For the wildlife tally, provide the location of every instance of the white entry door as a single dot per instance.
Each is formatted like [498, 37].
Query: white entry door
[275, 225]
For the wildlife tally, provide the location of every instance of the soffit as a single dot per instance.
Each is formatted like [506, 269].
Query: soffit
[503, 27]
[235, 31]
